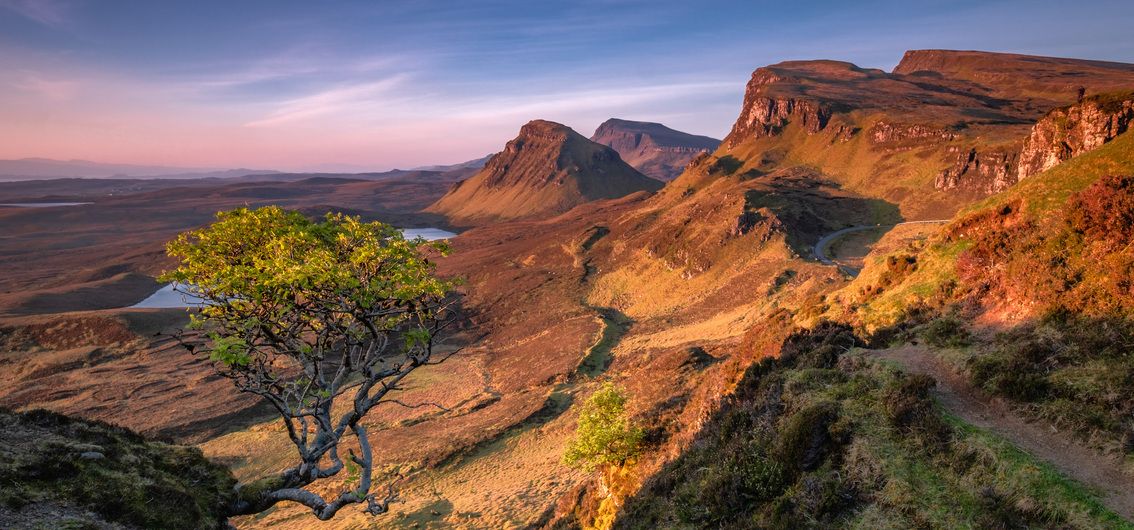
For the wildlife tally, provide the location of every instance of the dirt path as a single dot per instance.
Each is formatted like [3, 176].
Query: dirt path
[1060, 449]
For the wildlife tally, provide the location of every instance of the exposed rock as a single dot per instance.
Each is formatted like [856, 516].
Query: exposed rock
[985, 171]
[652, 148]
[764, 116]
[902, 136]
[546, 170]
[1070, 131]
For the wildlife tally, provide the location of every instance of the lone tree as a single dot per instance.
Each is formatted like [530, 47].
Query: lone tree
[302, 313]
[604, 435]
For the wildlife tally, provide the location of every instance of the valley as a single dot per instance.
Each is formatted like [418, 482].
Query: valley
[884, 300]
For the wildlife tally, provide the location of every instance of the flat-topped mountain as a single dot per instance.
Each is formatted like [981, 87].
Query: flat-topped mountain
[1015, 76]
[547, 169]
[944, 128]
[652, 148]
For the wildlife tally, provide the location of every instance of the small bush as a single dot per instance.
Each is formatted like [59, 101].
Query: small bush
[604, 435]
[911, 410]
[946, 332]
[805, 438]
[725, 165]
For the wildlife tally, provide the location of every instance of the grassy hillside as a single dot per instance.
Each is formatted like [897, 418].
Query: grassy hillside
[60, 472]
[1015, 228]
[826, 437]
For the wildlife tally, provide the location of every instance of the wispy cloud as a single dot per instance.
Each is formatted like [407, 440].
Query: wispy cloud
[51, 13]
[55, 90]
[326, 102]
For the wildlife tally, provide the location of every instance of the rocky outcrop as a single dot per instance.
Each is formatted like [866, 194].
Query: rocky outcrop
[985, 171]
[1070, 131]
[901, 136]
[765, 116]
[546, 170]
[652, 148]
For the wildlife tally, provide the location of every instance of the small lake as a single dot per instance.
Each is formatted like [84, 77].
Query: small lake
[428, 234]
[168, 298]
[44, 204]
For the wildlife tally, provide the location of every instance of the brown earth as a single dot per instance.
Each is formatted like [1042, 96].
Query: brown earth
[654, 292]
[546, 170]
[104, 255]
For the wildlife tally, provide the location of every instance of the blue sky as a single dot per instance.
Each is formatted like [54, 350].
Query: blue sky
[374, 85]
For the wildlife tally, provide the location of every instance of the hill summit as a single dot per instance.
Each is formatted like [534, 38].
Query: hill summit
[652, 148]
[545, 170]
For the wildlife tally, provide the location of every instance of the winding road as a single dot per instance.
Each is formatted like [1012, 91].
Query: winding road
[820, 248]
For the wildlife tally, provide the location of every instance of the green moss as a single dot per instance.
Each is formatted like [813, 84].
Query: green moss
[129, 481]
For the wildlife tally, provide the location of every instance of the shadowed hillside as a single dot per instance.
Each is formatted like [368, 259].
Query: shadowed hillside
[652, 148]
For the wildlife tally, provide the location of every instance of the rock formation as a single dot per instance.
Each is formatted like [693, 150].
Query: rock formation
[1070, 131]
[652, 148]
[546, 170]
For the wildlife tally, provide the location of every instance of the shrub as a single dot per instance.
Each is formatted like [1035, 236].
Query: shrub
[604, 435]
[911, 410]
[725, 165]
[946, 332]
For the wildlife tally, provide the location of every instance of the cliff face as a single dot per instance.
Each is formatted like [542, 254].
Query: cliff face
[767, 109]
[546, 170]
[652, 148]
[944, 128]
[1070, 131]
[981, 171]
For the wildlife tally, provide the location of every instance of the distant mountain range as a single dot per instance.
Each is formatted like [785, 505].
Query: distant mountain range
[40, 168]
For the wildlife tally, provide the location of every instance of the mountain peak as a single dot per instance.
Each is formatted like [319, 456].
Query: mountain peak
[652, 148]
[547, 169]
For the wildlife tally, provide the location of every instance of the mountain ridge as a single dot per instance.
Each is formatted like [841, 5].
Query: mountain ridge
[546, 169]
[652, 148]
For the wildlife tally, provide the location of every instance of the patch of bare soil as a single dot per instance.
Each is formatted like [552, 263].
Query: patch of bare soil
[118, 367]
[1060, 449]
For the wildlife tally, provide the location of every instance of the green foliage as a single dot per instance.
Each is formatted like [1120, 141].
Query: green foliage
[1072, 370]
[604, 435]
[135, 482]
[946, 332]
[850, 444]
[725, 165]
[264, 269]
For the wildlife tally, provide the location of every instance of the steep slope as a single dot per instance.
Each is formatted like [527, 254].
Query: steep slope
[943, 129]
[547, 169]
[652, 148]
[61, 472]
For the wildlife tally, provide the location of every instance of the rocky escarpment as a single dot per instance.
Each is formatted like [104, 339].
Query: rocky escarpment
[983, 171]
[959, 116]
[1070, 131]
[652, 148]
[765, 116]
[546, 170]
[904, 136]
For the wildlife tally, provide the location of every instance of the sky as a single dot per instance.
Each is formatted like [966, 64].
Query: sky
[378, 84]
